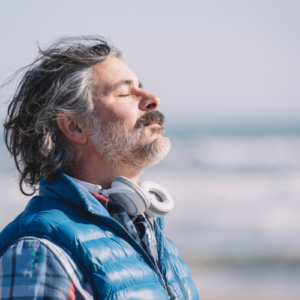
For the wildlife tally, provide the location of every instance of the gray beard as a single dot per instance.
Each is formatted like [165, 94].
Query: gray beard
[122, 146]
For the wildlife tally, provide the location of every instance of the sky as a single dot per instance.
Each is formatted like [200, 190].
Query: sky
[210, 62]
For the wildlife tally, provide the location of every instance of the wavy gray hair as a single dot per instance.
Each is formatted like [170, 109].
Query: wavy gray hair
[59, 80]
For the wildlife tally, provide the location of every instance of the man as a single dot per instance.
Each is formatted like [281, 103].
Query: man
[78, 120]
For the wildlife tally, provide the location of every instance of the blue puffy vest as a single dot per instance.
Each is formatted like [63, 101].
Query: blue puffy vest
[112, 261]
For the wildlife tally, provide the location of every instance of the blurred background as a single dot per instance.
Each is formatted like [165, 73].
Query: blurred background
[227, 73]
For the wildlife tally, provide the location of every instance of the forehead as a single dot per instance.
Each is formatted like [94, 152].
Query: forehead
[111, 71]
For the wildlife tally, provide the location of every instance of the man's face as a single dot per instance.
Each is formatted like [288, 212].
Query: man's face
[120, 97]
[129, 124]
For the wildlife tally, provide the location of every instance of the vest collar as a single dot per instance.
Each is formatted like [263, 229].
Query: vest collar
[63, 187]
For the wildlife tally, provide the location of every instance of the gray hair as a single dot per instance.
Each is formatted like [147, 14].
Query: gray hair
[59, 80]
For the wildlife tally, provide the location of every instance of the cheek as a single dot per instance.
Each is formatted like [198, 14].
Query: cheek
[125, 114]
[118, 112]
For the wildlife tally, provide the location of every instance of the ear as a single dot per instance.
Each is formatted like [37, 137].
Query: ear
[71, 129]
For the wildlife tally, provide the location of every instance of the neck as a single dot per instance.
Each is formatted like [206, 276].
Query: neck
[97, 170]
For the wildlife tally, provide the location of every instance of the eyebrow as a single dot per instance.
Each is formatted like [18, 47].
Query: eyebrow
[122, 82]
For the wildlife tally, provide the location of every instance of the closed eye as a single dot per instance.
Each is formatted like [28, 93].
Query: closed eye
[125, 95]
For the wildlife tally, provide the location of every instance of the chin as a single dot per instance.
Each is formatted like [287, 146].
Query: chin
[156, 131]
[149, 153]
[161, 147]
[155, 137]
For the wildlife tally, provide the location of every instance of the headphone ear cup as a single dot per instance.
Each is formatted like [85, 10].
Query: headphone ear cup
[135, 203]
[161, 202]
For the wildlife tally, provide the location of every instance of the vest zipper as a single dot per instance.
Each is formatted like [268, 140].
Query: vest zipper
[179, 282]
[170, 291]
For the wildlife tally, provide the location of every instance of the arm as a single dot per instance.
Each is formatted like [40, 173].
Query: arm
[35, 268]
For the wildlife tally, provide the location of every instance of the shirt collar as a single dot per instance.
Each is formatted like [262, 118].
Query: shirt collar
[112, 207]
[89, 186]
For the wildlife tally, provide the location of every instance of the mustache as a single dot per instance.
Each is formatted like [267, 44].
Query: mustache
[149, 117]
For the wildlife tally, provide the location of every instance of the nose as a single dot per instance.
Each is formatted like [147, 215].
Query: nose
[148, 101]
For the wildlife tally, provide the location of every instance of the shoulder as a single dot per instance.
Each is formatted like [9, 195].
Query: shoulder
[35, 267]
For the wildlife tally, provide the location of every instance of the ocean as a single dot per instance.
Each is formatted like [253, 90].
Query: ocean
[236, 219]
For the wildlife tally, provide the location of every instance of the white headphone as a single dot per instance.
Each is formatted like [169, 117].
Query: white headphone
[147, 197]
